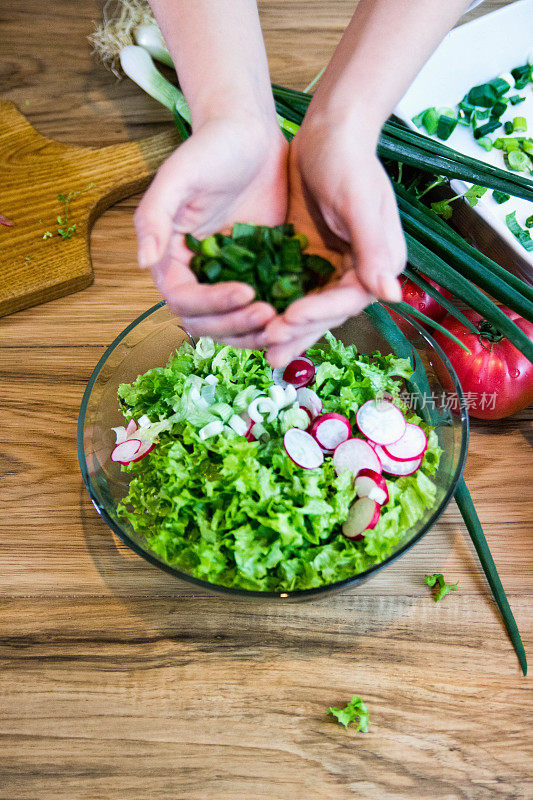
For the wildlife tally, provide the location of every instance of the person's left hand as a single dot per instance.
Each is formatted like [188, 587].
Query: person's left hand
[342, 199]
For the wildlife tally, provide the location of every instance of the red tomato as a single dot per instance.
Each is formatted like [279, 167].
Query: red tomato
[421, 300]
[496, 378]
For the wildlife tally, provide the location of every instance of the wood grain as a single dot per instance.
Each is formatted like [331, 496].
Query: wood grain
[117, 681]
[35, 170]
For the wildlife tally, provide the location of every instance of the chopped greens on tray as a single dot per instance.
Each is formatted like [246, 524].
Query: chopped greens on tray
[271, 260]
[489, 108]
[256, 480]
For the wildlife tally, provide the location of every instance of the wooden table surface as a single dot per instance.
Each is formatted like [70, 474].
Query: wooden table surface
[119, 682]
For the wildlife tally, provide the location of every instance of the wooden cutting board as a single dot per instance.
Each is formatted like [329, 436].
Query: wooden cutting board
[33, 171]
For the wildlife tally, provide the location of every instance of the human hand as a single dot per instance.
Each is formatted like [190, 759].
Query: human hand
[228, 171]
[342, 199]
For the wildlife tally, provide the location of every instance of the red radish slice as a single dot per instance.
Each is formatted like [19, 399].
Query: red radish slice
[308, 414]
[143, 451]
[330, 430]
[413, 444]
[249, 436]
[394, 467]
[125, 452]
[381, 421]
[371, 484]
[303, 449]
[131, 428]
[299, 372]
[363, 516]
[355, 455]
[309, 400]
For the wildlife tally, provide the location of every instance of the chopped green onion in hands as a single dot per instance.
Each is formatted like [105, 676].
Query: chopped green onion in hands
[271, 260]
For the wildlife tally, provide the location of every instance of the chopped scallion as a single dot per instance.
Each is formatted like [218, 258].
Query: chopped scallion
[516, 98]
[500, 197]
[529, 222]
[446, 126]
[488, 127]
[519, 124]
[485, 142]
[523, 236]
[508, 126]
[517, 161]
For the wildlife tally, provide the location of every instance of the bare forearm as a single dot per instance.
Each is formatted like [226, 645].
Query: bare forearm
[218, 50]
[383, 48]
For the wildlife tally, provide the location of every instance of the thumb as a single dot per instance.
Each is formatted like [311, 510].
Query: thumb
[154, 216]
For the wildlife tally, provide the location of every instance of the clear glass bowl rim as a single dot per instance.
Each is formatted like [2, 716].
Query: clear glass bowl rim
[300, 594]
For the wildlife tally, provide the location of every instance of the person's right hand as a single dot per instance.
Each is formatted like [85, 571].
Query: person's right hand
[230, 170]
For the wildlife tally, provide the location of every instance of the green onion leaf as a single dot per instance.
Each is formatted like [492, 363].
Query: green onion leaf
[523, 236]
[407, 310]
[471, 519]
[500, 197]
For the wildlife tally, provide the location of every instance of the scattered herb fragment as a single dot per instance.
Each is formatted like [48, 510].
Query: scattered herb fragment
[65, 229]
[441, 587]
[500, 197]
[355, 710]
[443, 207]
[523, 236]
[5, 221]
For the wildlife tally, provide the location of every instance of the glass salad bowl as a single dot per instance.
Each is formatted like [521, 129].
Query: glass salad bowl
[149, 341]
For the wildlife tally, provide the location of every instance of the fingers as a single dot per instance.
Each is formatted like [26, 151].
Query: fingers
[192, 300]
[160, 204]
[378, 246]
[234, 324]
[346, 299]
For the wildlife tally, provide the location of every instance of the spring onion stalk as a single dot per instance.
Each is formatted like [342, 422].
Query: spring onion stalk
[471, 519]
[423, 259]
[149, 37]
[417, 278]
[314, 81]
[138, 65]
[404, 309]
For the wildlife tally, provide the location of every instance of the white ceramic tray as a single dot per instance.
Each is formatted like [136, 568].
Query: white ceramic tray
[469, 55]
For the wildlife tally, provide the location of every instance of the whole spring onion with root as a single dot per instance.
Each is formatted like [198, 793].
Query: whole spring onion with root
[434, 248]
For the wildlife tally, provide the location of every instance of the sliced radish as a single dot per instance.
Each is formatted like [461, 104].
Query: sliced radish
[309, 415]
[303, 449]
[144, 421]
[277, 377]
[120, 434]
[249, 435]
[299, 372]
[211, 429]
[143, 451]
[371, 484]
[355, 455]
[309, 400]
[131, 428]
[125, 452]
[363, 516]
[330, 430]
[413, 444]
[395, 467]
[381, 421]
[211, 379]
